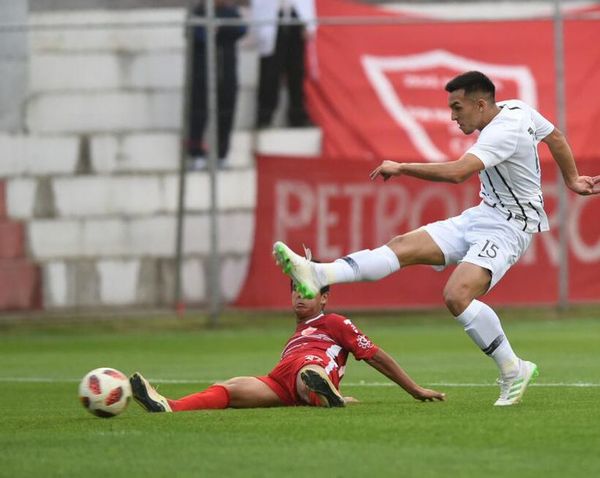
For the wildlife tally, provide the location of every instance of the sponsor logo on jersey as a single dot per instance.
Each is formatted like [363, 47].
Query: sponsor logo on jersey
[363, 342]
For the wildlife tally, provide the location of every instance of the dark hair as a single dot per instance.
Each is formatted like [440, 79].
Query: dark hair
[471, 82]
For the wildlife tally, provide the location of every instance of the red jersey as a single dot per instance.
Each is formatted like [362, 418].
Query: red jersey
[333, 335]
[324, 340]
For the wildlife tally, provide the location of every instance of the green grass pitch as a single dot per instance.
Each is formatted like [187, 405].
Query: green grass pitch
[554, 432]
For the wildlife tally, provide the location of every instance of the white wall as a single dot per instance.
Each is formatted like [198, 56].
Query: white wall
[95, 178]
[13, 66]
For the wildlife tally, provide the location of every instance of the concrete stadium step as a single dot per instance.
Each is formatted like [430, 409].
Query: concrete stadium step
[289, 141]
[47, 156]
[37, 155]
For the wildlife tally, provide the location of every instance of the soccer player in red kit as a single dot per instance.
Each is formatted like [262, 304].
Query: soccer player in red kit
[312, 365]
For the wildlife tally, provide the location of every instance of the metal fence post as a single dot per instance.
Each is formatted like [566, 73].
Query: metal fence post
[213, 114]
[563, 200]
[183, 143]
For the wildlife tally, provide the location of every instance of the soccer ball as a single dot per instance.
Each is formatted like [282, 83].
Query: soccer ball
[105, 392]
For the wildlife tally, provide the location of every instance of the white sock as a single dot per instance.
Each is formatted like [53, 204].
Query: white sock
[365, 265]
[483, 326]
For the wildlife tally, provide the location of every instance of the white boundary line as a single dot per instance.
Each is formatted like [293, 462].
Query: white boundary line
[346, 384]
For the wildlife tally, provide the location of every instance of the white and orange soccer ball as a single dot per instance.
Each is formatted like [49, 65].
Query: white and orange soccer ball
[105, 392]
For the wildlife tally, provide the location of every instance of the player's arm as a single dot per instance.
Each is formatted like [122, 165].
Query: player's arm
[562, 154]
[385, 364]
[450, 172]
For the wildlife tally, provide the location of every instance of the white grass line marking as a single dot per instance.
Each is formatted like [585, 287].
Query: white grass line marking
[347, 384]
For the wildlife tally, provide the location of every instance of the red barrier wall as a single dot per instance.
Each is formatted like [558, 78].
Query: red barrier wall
[20, 280]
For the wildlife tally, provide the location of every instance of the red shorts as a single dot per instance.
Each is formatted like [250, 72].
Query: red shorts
[282, 379]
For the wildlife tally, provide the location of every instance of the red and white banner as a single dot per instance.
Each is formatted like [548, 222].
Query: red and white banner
[334, 209]
[377, 91]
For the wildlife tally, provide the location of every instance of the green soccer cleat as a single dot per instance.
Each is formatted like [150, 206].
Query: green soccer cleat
[319, 383]
[512, 390]
[147, 396]
[299, 268]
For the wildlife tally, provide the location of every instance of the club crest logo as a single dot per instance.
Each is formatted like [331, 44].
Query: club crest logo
[308, 331]
[411, 90]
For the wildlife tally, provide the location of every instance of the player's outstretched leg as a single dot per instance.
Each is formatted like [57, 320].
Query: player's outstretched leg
[146, 395]
[318, 382]
[299, 268]
[365, 265]
[512, 390]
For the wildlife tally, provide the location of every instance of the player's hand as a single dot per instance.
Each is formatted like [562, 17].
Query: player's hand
[348, 400]
[427, 395]
[386, 170]
[586, 185]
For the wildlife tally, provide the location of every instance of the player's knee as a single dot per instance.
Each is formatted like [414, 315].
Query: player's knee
[457, 299]
[400, 246]
[397, 242]
[235, 386]
[416, 247]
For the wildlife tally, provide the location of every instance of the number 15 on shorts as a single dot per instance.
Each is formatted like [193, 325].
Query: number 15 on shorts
[489, 250]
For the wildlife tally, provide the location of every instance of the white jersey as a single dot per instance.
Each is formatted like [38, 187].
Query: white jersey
[511, 180]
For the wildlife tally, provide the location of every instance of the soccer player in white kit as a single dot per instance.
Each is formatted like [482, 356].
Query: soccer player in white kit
[485, 240]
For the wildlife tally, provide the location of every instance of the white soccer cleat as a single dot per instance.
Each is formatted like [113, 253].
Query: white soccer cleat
[512, 390]
[147, 396]
[299, 268]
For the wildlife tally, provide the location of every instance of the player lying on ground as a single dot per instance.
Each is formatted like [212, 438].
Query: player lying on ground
[486, 240]
[309, 373]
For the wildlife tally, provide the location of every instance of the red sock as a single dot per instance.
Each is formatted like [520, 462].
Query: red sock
[213, 397]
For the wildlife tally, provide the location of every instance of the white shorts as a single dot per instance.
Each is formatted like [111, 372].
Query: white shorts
[481, 235]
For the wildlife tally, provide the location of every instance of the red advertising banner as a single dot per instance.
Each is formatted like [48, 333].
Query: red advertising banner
[334, 209]
[377, 91]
